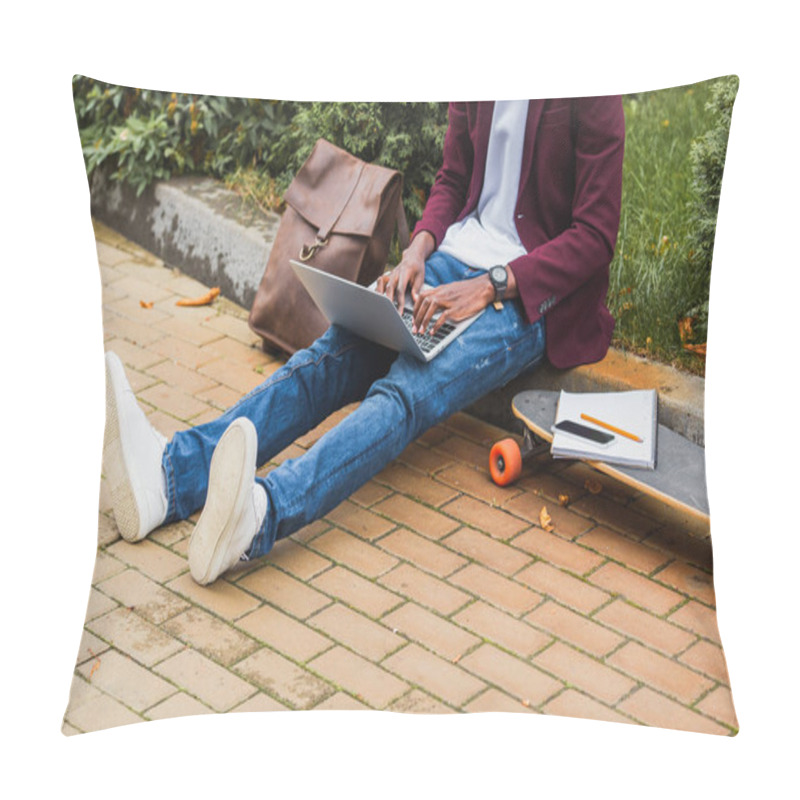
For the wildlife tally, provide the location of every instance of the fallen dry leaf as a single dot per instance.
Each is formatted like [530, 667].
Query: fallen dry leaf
[203, 300]
[94, 667]
[526, 703]
[685, 328]
[146, 303]
[593, 485]
[563, 499]
[544, 519]
[697, 349]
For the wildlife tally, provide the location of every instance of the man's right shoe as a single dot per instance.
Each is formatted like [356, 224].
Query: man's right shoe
[132, 453]
[235, 505]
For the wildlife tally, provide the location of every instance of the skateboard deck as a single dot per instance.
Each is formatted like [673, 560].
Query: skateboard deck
[679, 479]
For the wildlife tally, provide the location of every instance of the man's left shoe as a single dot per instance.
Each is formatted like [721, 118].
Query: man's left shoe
[235, 505]
[132, 454]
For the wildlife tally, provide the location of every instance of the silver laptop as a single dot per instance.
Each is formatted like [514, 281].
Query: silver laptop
[374, 316]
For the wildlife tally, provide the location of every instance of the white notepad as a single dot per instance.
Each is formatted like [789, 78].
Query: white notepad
[634, 412]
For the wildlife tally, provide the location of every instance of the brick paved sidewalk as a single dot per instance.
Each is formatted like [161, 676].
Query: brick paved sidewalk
[429, 590]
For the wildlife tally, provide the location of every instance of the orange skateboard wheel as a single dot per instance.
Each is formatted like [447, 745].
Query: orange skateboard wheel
[505, 462]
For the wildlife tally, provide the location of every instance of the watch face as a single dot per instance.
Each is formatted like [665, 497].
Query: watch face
[498, 274]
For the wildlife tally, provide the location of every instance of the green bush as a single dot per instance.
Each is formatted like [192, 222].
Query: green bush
[707, 157]
[256, 146]
[142, 135]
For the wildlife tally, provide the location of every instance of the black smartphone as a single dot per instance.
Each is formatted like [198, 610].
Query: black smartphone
[576, 429]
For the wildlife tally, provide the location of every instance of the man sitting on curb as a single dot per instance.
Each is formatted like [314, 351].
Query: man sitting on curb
[533, 187]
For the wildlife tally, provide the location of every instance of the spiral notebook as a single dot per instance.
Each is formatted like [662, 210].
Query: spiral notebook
[629, 418]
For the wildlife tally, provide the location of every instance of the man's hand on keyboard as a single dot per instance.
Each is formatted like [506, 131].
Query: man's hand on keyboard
[452, 302]
[409, 274]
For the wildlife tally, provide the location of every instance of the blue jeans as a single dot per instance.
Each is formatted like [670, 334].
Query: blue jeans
[400, 398]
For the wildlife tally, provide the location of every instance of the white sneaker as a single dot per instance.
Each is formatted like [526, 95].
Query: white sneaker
[235, 505]
[132, 453]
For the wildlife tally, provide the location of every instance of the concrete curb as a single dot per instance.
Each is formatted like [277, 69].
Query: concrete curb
[206, 231]
[194, 224]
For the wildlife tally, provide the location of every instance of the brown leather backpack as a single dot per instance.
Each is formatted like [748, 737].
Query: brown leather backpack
[340, 217]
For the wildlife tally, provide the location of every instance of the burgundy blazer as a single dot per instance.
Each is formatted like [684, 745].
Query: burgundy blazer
[567, 212]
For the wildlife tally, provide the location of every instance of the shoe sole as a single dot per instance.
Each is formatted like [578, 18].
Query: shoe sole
[123, 501]
[229, 485]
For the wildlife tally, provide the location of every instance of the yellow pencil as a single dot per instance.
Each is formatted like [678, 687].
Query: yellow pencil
[611, 428]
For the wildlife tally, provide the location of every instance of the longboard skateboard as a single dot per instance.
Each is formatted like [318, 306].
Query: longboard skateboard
[679, 479]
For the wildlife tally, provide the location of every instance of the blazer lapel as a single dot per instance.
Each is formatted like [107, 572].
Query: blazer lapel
[482, 131]
[535, 108]
[480, 145]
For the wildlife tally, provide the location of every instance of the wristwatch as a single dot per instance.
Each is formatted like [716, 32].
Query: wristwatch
[499, 277]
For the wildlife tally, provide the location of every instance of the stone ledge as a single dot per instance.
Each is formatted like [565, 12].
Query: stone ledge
[205, 230]
[194, 224]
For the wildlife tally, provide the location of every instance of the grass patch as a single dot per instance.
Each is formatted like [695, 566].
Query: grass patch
[656, 279]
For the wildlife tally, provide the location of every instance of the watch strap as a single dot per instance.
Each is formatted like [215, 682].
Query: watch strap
[500, 287]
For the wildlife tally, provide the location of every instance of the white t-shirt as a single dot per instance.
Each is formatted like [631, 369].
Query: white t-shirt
[488, 235]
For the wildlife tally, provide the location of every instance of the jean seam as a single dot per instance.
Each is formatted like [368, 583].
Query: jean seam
[169, 471]
[262, 531]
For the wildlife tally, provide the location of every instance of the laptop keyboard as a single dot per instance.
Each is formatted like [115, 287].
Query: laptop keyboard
[427, 341]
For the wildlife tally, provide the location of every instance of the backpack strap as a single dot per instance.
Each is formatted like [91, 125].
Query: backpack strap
[344, 199]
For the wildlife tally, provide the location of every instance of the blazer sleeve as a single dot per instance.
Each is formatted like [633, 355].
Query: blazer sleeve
[552, 271]
[449, 191]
